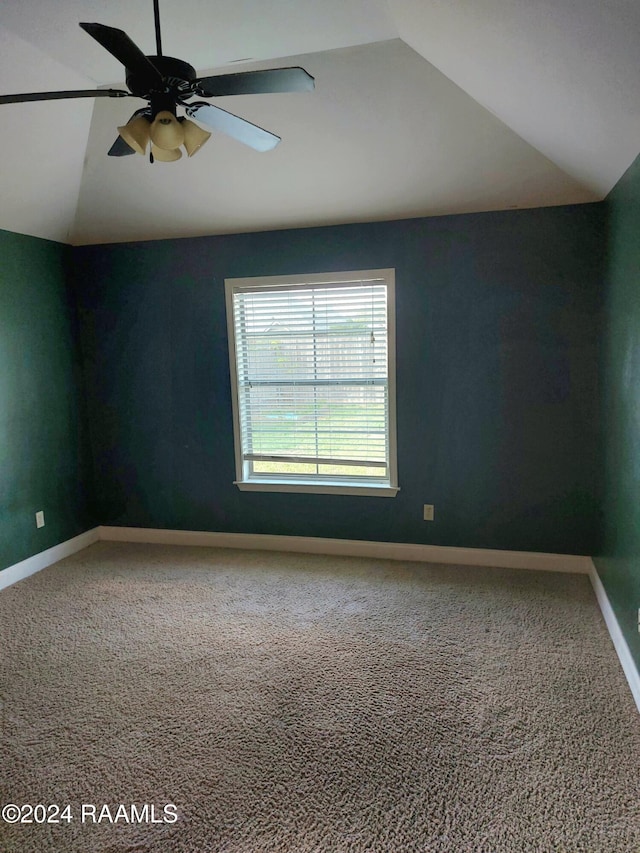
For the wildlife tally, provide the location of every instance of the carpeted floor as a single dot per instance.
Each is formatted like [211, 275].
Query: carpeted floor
[302, 704]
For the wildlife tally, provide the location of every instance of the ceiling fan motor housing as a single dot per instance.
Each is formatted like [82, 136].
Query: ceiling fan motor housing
[177, 78]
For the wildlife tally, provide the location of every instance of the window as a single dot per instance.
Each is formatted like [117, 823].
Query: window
[313, 382]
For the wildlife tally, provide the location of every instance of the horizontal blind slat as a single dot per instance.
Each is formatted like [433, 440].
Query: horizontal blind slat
[312, 373]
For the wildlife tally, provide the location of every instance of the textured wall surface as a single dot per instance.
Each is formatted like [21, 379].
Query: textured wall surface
[43, 446]
[619, 560]
[498, 323]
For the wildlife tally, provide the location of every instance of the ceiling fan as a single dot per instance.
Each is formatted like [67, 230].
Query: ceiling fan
[167, 83]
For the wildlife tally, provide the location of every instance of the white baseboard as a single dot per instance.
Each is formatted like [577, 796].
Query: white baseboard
[34, 564]
[353, 548]
[617, 637]
[346, 548]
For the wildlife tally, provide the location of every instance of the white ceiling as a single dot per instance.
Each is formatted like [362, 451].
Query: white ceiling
[563, 74]
[421, 107]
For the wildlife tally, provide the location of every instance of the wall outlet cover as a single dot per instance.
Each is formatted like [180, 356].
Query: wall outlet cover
[40, 519]
[428, 511]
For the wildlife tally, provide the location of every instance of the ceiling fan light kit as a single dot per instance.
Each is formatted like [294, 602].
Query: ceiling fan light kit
[165, 155]
[166, 132]
[194, 136]
[136, 133]
[167, 83]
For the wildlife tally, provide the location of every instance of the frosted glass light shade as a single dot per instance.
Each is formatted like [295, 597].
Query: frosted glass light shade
[166, 131]
[194, 137]
[136, 134]
[164, 156]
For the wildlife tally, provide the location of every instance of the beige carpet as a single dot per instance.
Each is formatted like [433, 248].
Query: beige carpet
[302, 703]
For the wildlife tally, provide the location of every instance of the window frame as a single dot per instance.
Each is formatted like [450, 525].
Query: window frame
[297, 483]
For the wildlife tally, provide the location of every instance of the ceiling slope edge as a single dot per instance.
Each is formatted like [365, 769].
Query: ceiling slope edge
[564, 76]
[385, 136]
[43, 144]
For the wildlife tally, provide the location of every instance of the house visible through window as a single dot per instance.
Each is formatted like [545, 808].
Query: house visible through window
[313, 380]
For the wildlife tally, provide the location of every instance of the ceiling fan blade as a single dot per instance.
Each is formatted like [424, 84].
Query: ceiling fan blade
[255, 82]
[120, 148]
[234, 126]
[118, 43]
[55, 96]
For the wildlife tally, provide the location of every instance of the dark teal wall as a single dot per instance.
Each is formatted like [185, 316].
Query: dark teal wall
[497, 329]
[619, 560]
[43, 448]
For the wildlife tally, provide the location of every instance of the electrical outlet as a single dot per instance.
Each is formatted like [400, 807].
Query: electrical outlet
[427, 512]
[40, 519]
[638, 620]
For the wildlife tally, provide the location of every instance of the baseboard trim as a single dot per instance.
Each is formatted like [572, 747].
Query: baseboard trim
[34, 564]
[617, 637]
[353, 548]
[346, 548]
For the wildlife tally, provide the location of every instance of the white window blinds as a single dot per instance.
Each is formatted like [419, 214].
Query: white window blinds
[312, 379]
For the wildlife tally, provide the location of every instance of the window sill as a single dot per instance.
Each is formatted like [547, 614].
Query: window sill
[317, 488]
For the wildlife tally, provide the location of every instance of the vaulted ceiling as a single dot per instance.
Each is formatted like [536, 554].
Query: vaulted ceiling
[421, 107]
